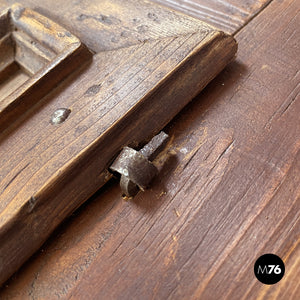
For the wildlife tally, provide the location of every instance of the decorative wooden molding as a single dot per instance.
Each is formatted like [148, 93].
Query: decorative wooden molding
[34, 52]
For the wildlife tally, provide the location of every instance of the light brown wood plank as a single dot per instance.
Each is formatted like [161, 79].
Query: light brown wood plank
[117, 24]
[229, 192]
[227, 15]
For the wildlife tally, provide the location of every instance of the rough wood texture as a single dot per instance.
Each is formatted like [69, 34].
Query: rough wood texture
[117, 24]
[228, 15]
[35, 55]
[124, 96]
[229, 192]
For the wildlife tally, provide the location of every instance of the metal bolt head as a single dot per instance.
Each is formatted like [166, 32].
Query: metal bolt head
[132, 164]
[135, 167]
[59, 116]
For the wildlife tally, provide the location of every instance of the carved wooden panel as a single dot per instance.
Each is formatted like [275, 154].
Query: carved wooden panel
[35, 54]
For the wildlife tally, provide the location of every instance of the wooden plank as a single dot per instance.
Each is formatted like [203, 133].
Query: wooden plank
[227, 15]
[116, 24]
[229, 192]
[124, 96]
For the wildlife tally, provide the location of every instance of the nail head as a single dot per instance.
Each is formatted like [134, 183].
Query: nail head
[60, 115]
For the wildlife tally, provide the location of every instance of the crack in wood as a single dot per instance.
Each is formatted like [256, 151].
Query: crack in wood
[14, 177]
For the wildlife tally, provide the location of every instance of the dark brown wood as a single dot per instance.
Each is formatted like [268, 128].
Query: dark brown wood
[124, 96]
[228, 192]
[227, 15]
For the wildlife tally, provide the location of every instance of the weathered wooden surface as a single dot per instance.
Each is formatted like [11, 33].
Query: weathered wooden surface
[229, 192]
[36, 54]
[116, 24]
[228, 15]
[125, 95]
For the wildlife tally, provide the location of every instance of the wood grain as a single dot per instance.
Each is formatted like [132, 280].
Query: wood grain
[227, 193]
[135, 23]
[124, 96]
[43, 52]
[227, 15]
[116, 24]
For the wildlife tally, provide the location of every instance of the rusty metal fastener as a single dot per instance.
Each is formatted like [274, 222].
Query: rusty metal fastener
[136, 168]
